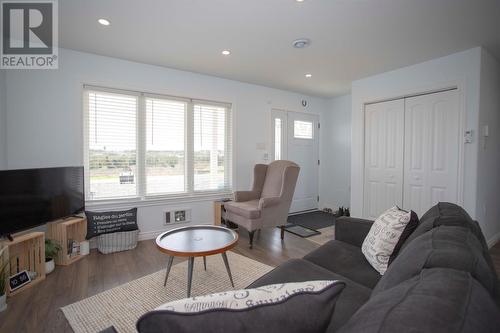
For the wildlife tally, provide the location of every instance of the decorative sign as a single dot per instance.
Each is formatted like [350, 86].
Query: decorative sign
[18, 280]
[108, 222]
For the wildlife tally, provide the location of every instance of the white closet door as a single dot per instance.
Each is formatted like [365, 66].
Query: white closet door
[384, 137]
[432, 144]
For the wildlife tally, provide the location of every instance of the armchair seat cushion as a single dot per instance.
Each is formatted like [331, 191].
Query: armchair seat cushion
[249, 209]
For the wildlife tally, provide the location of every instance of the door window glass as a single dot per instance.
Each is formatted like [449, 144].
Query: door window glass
[302, 129]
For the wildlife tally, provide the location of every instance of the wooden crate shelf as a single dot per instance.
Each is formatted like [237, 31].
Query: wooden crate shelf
[26, 252]
[62, 231]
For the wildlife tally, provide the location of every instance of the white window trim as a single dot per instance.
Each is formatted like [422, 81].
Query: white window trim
[142, 198]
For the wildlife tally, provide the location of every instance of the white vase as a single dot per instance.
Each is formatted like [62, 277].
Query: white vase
[49, 266]
[3, 302]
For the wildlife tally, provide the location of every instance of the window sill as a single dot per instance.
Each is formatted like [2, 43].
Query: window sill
[128, 203]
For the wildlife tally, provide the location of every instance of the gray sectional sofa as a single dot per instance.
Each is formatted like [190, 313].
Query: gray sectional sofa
[442, 280]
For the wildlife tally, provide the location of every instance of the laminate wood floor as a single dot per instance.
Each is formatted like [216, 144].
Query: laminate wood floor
[38, 309]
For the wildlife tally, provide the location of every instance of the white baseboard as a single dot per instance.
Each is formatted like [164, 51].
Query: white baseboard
[145, 235]
[493, 240]
[150, 234]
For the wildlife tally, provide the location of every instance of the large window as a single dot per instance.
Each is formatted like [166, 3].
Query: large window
[139, 145]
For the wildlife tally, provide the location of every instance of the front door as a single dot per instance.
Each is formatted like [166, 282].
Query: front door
[296, 138]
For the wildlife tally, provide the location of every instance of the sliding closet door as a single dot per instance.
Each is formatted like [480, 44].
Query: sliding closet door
[432, 143]
[384, 141]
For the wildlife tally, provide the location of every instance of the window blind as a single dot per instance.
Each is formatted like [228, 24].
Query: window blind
[211, 147]
[165, 146]
[143, 145]
[112, 145]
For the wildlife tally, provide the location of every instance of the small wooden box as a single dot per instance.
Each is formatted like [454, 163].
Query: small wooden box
[218, 208]
[62, 231]
[26, 252]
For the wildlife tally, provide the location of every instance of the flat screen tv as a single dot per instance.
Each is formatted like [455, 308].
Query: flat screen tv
[32, 197]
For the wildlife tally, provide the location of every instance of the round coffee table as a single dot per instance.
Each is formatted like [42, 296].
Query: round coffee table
[196, 241]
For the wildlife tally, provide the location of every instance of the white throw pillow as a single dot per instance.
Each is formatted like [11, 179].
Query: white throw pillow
[384, 235]
[246, 298]
[297, 307]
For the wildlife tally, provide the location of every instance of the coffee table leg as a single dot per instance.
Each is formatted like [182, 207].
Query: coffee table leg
[205, 262]
[190, 275]
[224, 257]
[169, 265]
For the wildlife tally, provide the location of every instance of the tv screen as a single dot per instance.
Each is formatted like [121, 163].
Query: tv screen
[32, 197]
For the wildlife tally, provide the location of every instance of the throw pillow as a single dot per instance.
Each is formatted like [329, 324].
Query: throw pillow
[100, 223]
[287, 307]
[387, 235]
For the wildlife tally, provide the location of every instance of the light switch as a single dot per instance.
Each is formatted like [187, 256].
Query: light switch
[261, 146]
[468, 136]
[486, 131]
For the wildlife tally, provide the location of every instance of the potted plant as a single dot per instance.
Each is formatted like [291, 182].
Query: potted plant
[51, 250]
[3, 280]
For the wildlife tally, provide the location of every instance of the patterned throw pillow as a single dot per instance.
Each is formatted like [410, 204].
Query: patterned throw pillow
[387, 235]
[287, 307]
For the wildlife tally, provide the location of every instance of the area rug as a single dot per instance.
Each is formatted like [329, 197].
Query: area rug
[300, 230]
[313, 220]
[123, 305]
[327, 234]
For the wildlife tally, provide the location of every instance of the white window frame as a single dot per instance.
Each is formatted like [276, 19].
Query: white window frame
[141, 149]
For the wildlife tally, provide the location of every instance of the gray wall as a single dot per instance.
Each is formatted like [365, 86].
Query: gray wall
[488, 168]
[335, 154]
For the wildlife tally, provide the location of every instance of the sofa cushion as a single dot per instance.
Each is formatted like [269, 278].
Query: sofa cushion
[447, 214]
[351, 299]
[352, 230]
[437, 300]
[249, 209]
[442, 247]
[263, 309]
[346, 260]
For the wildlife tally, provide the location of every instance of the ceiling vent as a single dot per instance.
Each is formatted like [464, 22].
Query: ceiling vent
[301, 43]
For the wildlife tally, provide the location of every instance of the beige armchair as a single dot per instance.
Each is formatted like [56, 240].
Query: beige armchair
[268, 203]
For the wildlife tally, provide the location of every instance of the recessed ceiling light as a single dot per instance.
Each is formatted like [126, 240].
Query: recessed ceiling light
[299, 0]
[308, 75]
[226, 52]
[301, 43]
[103, 21]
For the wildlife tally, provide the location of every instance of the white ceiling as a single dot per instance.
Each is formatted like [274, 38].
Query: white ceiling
[351, 39]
